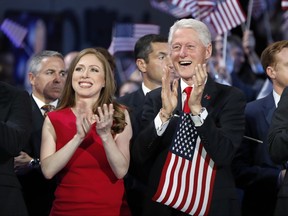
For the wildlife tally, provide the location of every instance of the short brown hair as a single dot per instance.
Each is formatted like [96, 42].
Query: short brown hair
[269, 53]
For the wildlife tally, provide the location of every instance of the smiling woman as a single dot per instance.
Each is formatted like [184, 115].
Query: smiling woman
[89, 148]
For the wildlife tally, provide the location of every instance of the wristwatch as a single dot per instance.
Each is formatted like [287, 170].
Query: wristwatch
[200, 117]
[34, 163]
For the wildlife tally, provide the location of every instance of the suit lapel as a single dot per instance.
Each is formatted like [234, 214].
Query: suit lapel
[139, 98]
[269, 108]
[178, 109]
[210, 92]
[37, 116]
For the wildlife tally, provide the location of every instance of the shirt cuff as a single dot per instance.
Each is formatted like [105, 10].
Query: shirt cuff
[200, 118]
[159, 126]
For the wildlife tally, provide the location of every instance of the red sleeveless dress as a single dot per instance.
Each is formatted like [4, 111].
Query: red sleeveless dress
[86, 185]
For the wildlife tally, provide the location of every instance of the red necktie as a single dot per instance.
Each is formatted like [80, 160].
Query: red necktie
[47, 108]
[187, 90]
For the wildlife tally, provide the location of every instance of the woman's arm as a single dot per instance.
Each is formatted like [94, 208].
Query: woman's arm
[117, 149]
[53, 161]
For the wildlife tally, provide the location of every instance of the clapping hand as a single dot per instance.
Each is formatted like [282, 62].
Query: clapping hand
[104, 120]
[169, 95]
[199, 80]
[85, 118]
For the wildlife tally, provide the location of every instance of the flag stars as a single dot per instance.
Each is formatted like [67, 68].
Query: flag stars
[186, 137]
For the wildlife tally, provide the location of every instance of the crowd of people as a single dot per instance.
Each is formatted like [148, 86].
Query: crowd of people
[199, 129]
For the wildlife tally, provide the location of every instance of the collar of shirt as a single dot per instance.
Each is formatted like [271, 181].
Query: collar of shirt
[145, 89]
[41, 103]
[276, 98]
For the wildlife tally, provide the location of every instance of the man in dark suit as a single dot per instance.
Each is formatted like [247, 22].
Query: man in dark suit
[189, 154]
[151, 54]
[278, 136]
[253, 168]
[15, 124]
[47, 76]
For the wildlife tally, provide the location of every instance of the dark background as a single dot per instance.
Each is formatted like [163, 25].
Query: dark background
[77, 24]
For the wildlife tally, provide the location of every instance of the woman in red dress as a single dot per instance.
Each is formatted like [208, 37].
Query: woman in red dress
[85, 142]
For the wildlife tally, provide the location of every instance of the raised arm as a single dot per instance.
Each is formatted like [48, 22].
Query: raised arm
[116, 148]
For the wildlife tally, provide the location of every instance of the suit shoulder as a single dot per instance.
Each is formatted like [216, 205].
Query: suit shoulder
[266, 101]
[155, 92]
[231, 90]
[126, 97]
[256, 103]
[129, 99]
[11, 92]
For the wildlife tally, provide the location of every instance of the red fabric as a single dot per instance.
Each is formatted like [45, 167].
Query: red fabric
[87, 184]
[186, 108]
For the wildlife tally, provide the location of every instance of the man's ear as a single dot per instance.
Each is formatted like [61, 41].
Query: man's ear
[271, 72]
[31, 78]
[141, 64]
[208, 51]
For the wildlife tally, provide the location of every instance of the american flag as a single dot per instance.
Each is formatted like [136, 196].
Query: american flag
[170, 8]
[227, 15]
[284, 4]
[199, 9]
[14, 31]
[187, 178]
[125, 35]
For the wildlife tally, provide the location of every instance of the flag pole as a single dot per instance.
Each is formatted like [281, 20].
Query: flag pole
[268, 27]
[223, 60]
[249, 14]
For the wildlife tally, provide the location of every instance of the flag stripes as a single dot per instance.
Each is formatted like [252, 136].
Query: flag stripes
[14, 31]
[227, 15]
[188, 174]
[126, 35]
[170, 8]
[284, 4]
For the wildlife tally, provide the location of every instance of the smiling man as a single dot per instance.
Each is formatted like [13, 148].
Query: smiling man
[189, 148]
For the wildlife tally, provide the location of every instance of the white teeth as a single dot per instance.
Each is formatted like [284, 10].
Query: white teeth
[185, 62]
[82, 84]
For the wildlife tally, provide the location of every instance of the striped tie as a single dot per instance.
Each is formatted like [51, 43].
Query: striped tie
[47, 108]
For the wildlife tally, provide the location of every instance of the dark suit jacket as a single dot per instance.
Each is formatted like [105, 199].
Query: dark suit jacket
[278, 133]
[38, 191]
[134, 185]
[253, 168]
[15, 124]
[221, 135]
[134, 102]
[278, 148]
